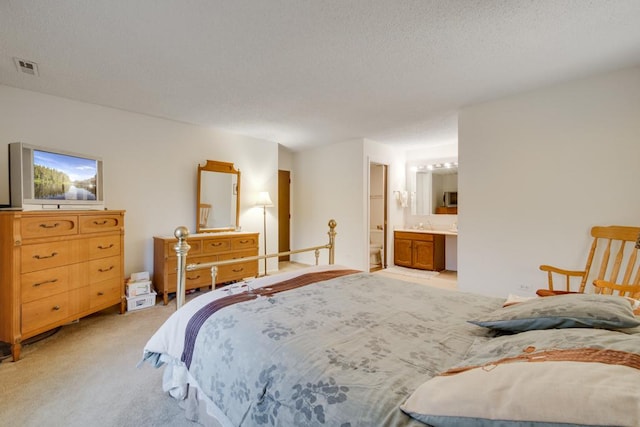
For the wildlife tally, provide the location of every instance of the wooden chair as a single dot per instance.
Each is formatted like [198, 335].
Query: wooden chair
[607, 242]
[205, 209]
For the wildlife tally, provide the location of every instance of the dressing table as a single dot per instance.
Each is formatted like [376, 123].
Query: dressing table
[217, 236]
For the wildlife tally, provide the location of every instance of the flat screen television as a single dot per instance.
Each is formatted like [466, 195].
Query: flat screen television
[46, 178]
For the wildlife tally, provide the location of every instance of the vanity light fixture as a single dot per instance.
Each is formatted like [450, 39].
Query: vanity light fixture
[264, 201]
[447, 165]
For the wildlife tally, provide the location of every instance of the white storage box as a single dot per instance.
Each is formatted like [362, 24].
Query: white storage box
[140, 277]
[135, 289]
[141, 301]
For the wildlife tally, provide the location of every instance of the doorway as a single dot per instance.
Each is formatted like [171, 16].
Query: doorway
[284, 213]
[377, 216]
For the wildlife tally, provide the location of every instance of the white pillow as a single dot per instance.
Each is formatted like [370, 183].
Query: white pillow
[530, 394]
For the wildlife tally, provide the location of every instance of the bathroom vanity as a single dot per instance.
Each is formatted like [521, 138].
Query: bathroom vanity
[419, 249]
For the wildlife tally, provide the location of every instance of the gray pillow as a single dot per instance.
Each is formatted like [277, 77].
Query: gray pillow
[563, 311]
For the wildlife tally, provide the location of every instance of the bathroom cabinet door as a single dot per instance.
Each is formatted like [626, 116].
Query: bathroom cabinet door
[424, 251]
[402, 252]
[423, 255]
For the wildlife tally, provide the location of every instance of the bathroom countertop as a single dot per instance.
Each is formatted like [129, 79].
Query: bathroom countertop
[447, 232]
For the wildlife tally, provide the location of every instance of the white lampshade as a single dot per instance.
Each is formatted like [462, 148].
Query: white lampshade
[264, 199]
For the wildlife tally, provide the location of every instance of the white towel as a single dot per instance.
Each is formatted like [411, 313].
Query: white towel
[404, 199]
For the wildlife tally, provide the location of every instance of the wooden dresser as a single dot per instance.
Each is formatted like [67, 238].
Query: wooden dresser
[56, 267]
[419, 250]
[205, 247]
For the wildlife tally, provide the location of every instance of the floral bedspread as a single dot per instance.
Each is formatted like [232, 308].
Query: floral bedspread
[342, 352]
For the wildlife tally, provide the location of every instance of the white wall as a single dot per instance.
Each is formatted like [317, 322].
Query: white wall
[285, 158]
[332, 182]
[538, 170]
[328, 184]
[150, 163]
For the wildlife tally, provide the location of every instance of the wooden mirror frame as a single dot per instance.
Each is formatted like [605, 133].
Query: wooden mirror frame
[219, 167]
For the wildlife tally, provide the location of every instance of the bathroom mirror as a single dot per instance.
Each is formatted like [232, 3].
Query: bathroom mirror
[429, 183]
[218, 197]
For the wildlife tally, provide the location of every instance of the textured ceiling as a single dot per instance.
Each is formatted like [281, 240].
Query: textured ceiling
[311, 72]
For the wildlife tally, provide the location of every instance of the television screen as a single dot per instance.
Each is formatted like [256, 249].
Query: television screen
[46, 178]
[63, 177]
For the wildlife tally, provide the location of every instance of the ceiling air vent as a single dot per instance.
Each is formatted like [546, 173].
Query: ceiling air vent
[28, 67]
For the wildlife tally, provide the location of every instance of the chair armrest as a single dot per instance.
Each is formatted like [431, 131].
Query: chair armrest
[568, 274]
[549, 268]
[607, 288]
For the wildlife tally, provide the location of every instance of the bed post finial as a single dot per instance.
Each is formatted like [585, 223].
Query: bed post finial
[181, 248]
[332, 240]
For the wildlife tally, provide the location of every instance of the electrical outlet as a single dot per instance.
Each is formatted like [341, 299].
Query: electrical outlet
[524, 287]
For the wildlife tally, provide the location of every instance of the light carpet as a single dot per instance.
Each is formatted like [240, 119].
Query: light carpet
[86, 375]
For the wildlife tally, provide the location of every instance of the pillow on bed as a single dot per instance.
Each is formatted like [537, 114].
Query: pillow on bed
[563, 311]
[530, 394]
[488, 391]
[635, 305]
[486, 351]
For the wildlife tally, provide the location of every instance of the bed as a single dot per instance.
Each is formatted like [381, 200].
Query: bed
[330, 346]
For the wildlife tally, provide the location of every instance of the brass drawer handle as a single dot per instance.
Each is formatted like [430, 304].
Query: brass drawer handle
[245, 241]
[105, 247]
[49, 226]
[100, 294]
[193, 278]
[45, 256]
[103, 270]
[45, 282]
[56, 308]
[216, 244]
[238, 270]
[103, 222]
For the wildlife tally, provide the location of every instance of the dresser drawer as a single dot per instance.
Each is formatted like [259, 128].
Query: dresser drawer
[100, 223]
[212, 246]
[172, 264]
[240, 254]
[104, 246]
[104, 268]
[195, 248]
[39, 227]
[245, 242]
[44, 283]
[105, 293]
[425, 237]
[238, 271]
[44, 311]
[193, 279]
[45, 255]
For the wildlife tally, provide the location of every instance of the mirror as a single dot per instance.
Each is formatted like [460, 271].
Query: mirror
[429, 185]
[218, 201]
